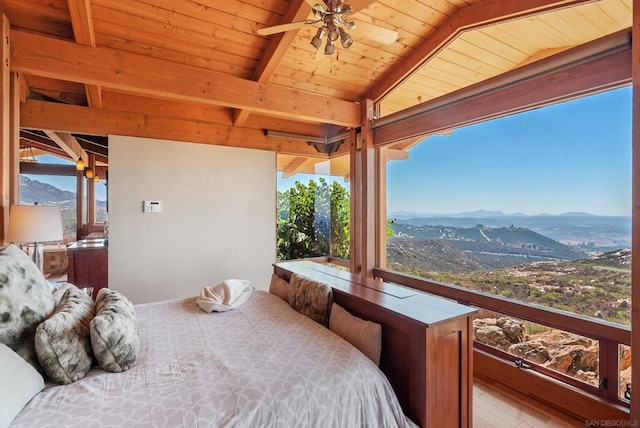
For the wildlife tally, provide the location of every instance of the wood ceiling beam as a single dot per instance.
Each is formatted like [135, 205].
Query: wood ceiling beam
[69, 144]
[298, 10]
[24, 88]
[198, 112]
[86, 120]
[571, 81]
[58, 59]
[82, 24]
[474, 16]
[293, 167]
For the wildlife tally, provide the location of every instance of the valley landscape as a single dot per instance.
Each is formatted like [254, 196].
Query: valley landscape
[576, 262]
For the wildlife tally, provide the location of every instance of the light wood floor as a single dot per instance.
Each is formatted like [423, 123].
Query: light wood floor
[493, 408]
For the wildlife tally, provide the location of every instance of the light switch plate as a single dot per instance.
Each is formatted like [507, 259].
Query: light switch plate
[152, 207]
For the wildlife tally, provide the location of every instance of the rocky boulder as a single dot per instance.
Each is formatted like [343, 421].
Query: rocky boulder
[499, 333]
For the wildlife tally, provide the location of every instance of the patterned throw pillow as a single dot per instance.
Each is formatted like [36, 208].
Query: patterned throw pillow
[63, 343]
[114, 336]
[364, 335]
[25, 301]
[279, 287]
[311, 298]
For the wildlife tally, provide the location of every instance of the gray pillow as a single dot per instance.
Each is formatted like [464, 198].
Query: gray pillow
[19, 383]
[62, 341]
[114, 336]
[311, 298]
[25, 301]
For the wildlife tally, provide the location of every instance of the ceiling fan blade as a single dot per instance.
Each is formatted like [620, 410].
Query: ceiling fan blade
[375, 32]
[267, 31]
[358, 5]
[316, 5]
[319, 54]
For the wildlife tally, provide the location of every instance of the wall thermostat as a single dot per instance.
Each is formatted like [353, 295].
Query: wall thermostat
[152, 207]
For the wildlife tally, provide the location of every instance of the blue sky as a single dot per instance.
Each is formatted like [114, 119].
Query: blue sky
[65, 183]
[569, 157]
[574, 156]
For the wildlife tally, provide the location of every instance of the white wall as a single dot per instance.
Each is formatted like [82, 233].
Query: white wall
[217, 222]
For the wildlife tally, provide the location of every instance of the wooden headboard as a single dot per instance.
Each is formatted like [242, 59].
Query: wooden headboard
[427, 344]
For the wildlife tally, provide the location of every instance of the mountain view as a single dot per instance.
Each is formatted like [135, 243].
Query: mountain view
[575, 261]
[32, 191]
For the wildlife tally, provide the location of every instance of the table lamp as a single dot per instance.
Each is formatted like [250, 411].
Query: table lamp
[33, 225]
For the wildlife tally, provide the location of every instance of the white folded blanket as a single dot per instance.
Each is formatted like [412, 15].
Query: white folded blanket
[225, 296]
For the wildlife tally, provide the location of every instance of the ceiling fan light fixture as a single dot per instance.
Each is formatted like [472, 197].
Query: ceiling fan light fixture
[330, 48]
[316, 41]
[346, 10]
[333, 33]
[345, 39]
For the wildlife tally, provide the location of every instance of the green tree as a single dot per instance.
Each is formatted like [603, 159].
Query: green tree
[313, 220]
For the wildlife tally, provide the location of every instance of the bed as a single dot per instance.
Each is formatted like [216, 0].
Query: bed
[260, 365]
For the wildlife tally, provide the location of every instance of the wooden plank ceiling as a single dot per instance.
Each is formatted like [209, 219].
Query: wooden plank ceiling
[196, 70]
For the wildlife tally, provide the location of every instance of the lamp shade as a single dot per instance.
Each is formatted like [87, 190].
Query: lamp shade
[34, 223]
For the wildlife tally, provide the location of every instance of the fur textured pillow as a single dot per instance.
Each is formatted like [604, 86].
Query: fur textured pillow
[311, 298]
[364, 335]
[62, 341]
[25, 301]
[114, 336]
[279, 287]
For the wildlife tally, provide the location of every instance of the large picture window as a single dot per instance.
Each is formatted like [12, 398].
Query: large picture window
[533, 207]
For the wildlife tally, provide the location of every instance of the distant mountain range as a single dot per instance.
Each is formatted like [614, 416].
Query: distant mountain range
[481, 214]
[590, 232]
[32, 191]
[45, 194]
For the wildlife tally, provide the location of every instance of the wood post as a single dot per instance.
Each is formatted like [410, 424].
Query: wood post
[91, 193]
[363, 188]
[79, 204]
[14, 140]
[5, 130]
[635, 219]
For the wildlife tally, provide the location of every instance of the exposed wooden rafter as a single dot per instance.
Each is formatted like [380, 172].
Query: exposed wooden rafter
[59, 59]
[80, 11]
[298, 10]
[468, 18]
[69, 144]
[86, 120]
[293, 167]
[24, 88]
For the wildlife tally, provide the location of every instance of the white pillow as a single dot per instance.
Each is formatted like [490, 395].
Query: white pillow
[19, 383]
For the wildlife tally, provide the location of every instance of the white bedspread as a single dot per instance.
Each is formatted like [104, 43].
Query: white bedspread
[261, 365]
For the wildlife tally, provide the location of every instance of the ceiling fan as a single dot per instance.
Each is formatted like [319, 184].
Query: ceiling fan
[333, 16]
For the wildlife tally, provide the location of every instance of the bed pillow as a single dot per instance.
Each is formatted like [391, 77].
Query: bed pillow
[279, 287]
[362, 334]
[63, 343]
[61, 288]
[311, 298]
[114, 335]
[19, 383]
[25, 301]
